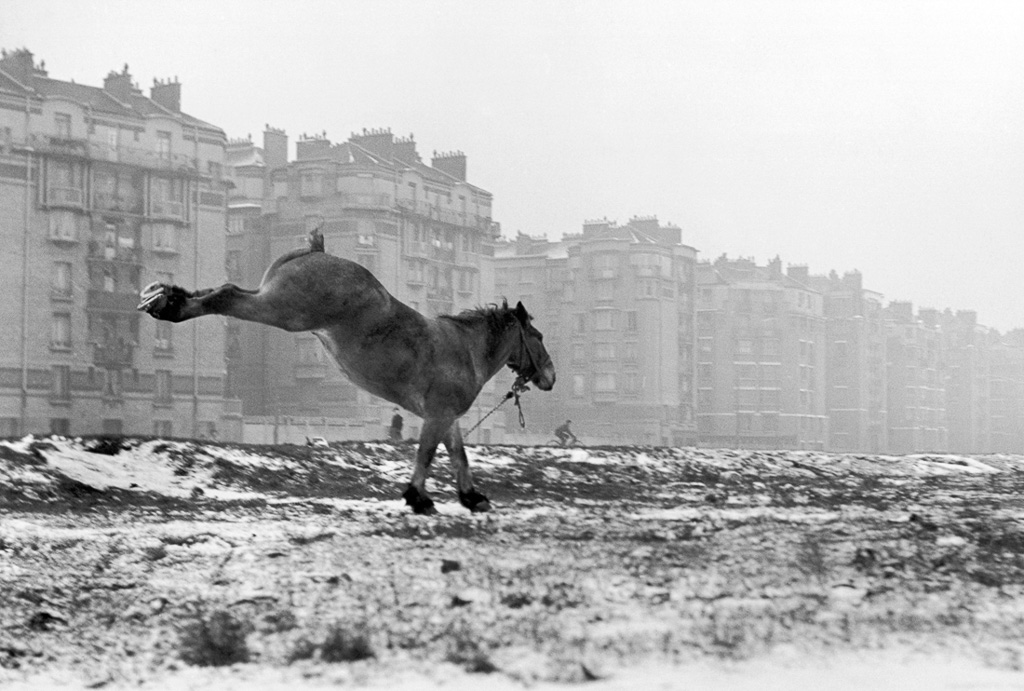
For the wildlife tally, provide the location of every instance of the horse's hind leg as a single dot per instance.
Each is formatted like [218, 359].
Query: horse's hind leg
[415, 494]
[175, 304]
[468, 496]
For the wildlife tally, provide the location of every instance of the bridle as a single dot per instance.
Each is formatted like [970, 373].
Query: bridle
[524, 374]
[519, 386]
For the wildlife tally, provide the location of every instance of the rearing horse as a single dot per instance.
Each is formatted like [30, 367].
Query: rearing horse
[434, 368]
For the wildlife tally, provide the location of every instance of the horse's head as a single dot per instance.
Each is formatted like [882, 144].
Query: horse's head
[529, 358]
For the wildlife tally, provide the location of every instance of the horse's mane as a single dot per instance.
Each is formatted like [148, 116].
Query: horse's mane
[493, 315]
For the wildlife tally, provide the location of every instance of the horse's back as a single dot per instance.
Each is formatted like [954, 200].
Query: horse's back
[324, 286]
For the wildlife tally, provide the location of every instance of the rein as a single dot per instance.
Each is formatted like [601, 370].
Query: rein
[518, 387]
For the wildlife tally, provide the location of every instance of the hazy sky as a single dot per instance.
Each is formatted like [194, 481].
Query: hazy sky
[886, 137]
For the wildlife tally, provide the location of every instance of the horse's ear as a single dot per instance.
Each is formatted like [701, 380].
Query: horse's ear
[521, 313]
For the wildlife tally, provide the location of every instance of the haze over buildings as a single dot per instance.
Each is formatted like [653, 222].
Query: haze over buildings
[884, 137]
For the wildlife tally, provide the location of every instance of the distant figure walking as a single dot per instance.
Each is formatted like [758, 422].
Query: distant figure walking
[395, 431]
[564, 434]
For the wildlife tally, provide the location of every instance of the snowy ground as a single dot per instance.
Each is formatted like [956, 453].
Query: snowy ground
[177, 565]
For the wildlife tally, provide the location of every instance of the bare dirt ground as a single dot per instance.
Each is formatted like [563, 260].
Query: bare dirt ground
[170, 564]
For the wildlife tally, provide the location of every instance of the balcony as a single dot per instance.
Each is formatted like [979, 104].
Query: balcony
[113, 355]
[65, 196]
[366, 201]
[164, 208]
[99, 151]
[110, 253]
[104, 301]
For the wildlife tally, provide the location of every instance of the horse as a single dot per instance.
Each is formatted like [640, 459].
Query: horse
[434, 368]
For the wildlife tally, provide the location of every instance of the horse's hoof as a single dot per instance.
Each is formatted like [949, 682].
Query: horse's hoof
[152, 299]
[425, 509]
[474, 501]
[421, 504]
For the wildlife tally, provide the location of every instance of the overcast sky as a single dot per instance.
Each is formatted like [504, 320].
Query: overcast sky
[886, 137]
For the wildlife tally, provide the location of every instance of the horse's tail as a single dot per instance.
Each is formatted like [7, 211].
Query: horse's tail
[316, 240]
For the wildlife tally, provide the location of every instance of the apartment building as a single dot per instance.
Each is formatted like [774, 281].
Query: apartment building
[616, 304]
[760, 356]
[855, 363]
[103, 190]
[916, 387]
[423, 230]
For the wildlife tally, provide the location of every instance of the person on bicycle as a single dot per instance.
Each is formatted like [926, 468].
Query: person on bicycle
[564, 434]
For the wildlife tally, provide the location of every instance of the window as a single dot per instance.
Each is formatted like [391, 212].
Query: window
[236, 225]
[310, 184]
[631, 321]
[163, 146]
[60, 331]
[579, 385]
[604, 319]
[112, 384]
[604, 351]
[163, 428]
[163, 339]
[163, 386]
[60, 389]
[60, 285]
[770, 422]
[164, 237]
[166, 197]
[64, 225]
[604, 382]
[705, 344]
[62, 125]
[580, 323]
[60, 426]
[744, 346]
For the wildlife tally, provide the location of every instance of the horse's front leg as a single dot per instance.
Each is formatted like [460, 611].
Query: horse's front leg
[468, 496]
[415, 494]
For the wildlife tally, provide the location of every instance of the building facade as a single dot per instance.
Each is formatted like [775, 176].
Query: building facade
[102, 191]
[855, 363]
[916, 387]
[760, 357]
[617, 308]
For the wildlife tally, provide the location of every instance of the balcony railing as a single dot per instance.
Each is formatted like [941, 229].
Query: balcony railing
[65, 196]
[166, 208]
[113, 355]
[365, 201]
[86, 148]
[102, 300]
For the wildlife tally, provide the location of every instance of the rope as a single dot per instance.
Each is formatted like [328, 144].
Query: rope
[518, 386]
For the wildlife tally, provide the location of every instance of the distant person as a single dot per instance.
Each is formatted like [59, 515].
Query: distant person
[395, 431]
[564, 434]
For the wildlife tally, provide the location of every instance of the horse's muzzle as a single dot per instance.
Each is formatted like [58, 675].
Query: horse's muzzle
[545, 378]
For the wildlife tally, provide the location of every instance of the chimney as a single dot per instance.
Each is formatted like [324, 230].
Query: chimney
[798, 272]
[595, 227]
[119, 84]
[453, 163]
[312, 147]
[20, 65]
[167, 94]
[275, 147]
[404, 149]
[902, 311]
[379, 142]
